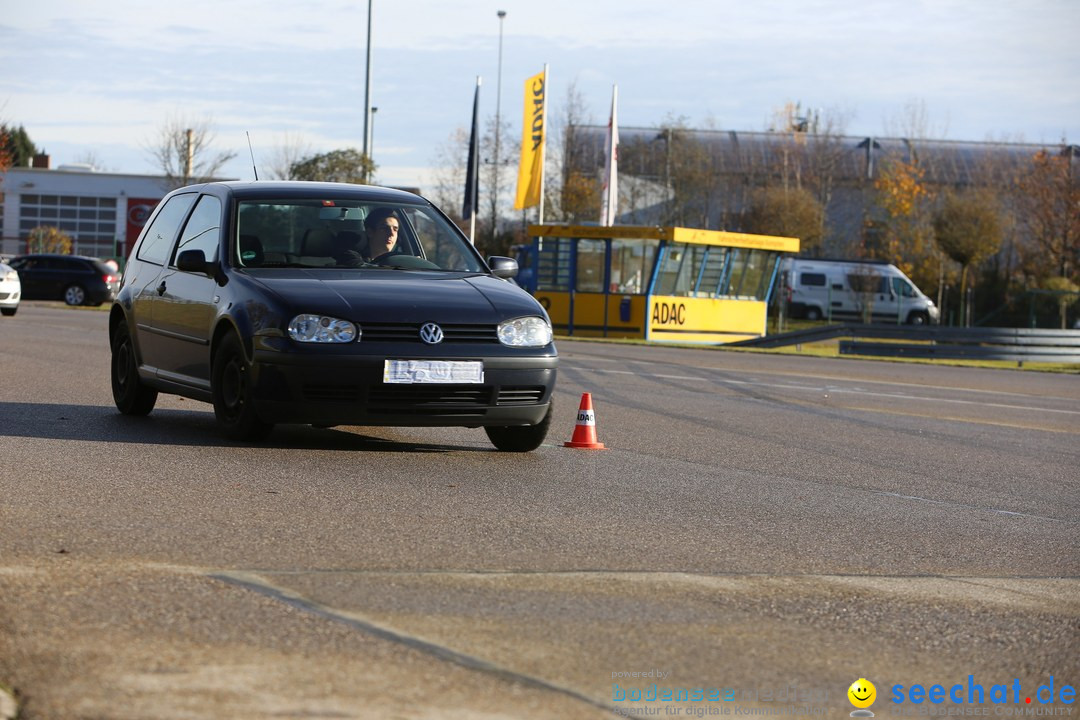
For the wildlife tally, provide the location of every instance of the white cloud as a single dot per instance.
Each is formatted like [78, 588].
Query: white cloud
[106, 74]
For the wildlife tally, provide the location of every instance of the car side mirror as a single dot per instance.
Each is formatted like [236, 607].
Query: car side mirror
[193, 261]
[503, 267]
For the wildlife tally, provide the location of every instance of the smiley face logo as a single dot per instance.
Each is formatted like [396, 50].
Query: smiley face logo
[862, 693]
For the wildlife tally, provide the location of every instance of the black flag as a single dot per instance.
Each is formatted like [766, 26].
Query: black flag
[472, 173]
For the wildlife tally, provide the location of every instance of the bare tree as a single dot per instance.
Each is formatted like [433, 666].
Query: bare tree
[865, 283]
[183, 151]
[574, 196]
[288, 152]
[498, 172]
[1066, 292]
[450, 161]
[91, 158]
[1048, 198]
[913, 122]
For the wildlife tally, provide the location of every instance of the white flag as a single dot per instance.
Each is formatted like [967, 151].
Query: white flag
[609, 196]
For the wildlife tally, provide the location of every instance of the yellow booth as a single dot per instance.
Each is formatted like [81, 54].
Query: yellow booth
[665, 284]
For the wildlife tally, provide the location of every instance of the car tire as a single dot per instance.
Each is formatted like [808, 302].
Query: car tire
[812, 313]
[74, 295]
[918, 318]
[230, 386]
[520, 438]
[131, 395]
[9, 311]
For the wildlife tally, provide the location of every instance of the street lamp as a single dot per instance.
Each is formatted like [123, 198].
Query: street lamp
[498, 87]
[498, 130]
[367, 94]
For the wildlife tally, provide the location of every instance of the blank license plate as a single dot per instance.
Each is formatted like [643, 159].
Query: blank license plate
[444, 372]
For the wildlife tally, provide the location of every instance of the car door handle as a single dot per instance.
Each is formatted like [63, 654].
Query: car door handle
[161, 288]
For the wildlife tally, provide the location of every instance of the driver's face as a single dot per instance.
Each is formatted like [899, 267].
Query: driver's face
[384, 236]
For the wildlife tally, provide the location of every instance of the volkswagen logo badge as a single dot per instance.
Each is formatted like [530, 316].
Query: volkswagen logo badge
[431, 333]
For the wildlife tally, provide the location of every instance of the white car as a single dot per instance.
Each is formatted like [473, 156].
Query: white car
[10, 290]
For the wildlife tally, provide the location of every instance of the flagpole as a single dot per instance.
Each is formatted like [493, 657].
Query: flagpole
[543, 148]
[609, 200]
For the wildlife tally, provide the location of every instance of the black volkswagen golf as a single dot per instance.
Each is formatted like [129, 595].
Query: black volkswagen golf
[328, 304]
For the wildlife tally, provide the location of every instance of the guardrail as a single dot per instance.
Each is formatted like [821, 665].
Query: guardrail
[1019, 344]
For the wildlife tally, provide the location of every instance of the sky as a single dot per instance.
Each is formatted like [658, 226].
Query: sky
[98, 79]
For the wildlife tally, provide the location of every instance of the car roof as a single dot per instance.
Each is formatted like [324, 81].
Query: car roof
[56, 255]
[304, 189]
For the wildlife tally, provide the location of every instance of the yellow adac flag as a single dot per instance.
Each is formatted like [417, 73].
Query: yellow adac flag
[531, 170]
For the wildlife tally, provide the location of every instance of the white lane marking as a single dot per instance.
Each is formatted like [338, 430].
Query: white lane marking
[866, 381]
[916, 498]
[832, 389]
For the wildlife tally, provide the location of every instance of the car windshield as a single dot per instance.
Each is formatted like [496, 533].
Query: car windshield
[336, 233]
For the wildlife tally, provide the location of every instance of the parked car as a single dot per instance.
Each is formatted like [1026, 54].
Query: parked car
[855, 290]
[10, 290]
[75, 279]
[268, 300]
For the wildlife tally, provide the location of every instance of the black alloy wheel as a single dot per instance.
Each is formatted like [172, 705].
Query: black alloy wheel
[230, 386]
[131, 396]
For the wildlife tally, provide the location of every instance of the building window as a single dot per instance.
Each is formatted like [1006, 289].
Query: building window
[91, 221]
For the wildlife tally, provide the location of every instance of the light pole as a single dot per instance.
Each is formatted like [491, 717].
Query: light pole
[498, 86]
[367, 94]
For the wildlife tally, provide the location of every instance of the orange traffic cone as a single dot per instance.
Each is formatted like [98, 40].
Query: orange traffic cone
[585, 430]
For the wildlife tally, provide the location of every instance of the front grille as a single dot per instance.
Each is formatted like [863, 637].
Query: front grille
[407, 332]
[332, 393]
[520, 395]
[429, 400]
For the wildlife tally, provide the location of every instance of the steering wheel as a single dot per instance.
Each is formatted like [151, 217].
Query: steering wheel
[403, 260]
[383, 259]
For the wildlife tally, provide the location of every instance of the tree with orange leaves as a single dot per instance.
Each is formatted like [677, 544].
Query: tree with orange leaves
[906, 233]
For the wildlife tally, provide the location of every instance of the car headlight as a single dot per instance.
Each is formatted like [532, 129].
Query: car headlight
[11, 276]
[525, 332]
[322, 329]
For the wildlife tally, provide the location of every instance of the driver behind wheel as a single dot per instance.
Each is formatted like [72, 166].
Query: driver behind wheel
[381, 236]
[382, 227]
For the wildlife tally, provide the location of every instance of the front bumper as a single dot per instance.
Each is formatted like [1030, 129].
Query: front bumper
[348, 389]
[9, 297]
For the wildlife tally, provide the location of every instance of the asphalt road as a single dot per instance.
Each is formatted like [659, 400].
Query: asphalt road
[772, 527]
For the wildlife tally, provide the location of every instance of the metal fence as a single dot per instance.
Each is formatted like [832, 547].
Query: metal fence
[1014, 344]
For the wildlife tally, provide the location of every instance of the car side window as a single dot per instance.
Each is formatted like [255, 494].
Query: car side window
[203, 229]
[902, 287]
[158, 239]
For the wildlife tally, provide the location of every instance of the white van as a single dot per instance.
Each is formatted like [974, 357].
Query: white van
[860, 290]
